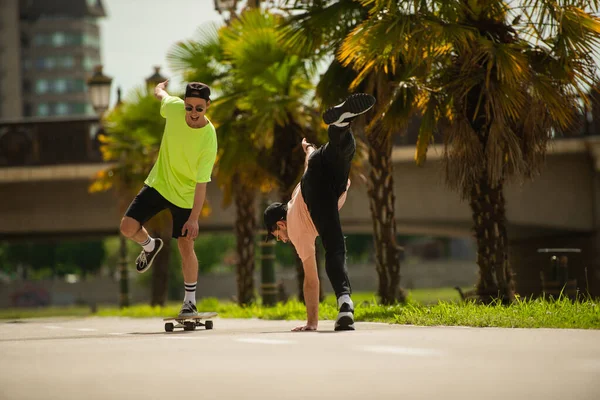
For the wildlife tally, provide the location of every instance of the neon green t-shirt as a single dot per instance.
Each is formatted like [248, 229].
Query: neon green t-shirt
[186, 156]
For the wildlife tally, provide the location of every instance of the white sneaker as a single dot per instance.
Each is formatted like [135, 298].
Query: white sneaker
[345, 112]
[188, 309]
[345, 318]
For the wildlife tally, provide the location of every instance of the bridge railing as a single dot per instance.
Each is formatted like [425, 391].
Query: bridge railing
[49, 141]
[60, 141]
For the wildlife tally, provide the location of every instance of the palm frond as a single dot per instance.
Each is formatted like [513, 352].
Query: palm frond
[316, 27]
[428, 123]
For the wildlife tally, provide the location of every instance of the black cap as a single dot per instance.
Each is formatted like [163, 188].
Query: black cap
[197, 89]
[273, 213]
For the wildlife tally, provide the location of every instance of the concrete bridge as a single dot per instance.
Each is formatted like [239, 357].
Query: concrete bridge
[561, 208]
[51, 200]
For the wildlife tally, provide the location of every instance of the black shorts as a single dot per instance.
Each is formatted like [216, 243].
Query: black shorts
[149, 202]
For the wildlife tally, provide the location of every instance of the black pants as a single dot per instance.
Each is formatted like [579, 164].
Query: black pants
[324, 181]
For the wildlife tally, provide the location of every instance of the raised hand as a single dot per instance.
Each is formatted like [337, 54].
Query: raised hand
[306, 145]
[163, 85]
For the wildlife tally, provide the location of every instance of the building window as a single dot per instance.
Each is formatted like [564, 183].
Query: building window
[78, 85]
[60, 86]
[89, 63]
[79, 108]
[61, 109]
[91, 40]
[41, 86]
[67, 62]
[58, 39]
[40, 63]
[43, 110]
[74, 39]
[49, 63]
[61, 39]
[39, 39]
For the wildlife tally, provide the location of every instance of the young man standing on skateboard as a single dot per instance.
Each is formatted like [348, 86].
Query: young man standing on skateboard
[177, 181]
[314, 211]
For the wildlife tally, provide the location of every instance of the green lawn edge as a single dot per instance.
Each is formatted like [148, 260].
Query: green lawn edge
[421, 309]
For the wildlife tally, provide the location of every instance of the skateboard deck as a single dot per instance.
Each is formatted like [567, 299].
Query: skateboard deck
[190, 323]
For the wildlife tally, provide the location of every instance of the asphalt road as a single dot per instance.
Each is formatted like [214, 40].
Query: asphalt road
[122, 358]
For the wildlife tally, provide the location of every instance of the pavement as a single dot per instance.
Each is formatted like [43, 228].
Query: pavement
[121, 358]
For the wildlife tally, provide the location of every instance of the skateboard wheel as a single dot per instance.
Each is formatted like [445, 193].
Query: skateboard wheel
[208, 324]
[189, 326]
[169, 327]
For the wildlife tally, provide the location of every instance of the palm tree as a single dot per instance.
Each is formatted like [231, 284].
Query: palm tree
[279, 85]
[133, 133]
[202, 59]
[321, 28]
[499, 80]
[276, 82]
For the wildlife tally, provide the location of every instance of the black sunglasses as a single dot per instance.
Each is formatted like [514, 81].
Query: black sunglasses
[190, 108]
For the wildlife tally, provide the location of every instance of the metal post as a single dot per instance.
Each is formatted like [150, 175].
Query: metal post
[563, 270]
[124, 278]
[554, 268]
[267, 263]
[559, 282]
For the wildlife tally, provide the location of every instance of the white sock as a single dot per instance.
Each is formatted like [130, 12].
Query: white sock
[148, 245]
[345, 298]
[190, 292]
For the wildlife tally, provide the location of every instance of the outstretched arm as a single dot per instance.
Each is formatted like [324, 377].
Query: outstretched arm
[311, 294]
[160, 91]
[308, 149]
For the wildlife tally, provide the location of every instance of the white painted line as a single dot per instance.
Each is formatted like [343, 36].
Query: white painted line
[182, 338]
[265, 341]
[52, 327]
[86, 329]
[408, 351]
[117, 333]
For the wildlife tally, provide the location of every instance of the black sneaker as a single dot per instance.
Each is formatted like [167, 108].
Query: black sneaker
[345, 318]
[353, 106]
[144, 260]
[188, 309]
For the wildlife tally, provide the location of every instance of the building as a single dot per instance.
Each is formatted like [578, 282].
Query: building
[48, 49]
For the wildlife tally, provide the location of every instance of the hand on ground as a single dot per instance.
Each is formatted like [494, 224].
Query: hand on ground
[306, 327]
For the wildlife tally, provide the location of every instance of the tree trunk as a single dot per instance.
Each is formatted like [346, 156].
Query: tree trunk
[381, 200]
[160, 272]
[489, 218]
[245, 226]
[123, 273]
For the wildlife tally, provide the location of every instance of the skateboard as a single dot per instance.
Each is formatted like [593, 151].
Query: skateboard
[190, 323]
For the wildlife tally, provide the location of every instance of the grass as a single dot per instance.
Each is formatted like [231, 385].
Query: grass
[421, 309]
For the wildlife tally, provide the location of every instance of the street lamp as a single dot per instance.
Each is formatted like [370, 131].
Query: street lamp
[99, 87]
[224, 5]
[154, 79]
